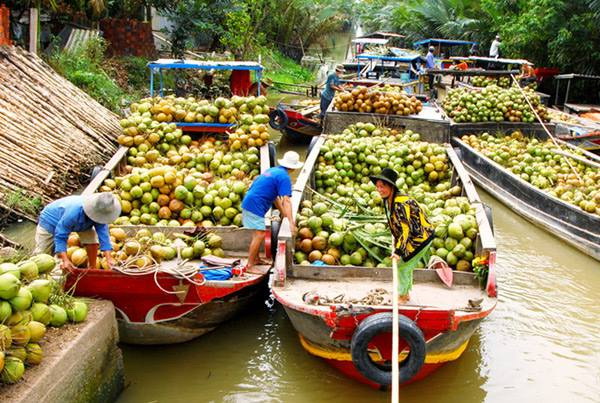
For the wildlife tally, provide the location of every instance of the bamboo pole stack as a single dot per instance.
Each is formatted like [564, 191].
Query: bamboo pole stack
[51, 132]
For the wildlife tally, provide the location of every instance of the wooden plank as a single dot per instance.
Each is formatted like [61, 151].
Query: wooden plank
[467, 183]
[111, 165]
[486, 235]
[33, 29]
[265, 162]
[373, 273]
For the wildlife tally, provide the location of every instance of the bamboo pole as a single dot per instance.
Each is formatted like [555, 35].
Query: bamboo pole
[395, 319]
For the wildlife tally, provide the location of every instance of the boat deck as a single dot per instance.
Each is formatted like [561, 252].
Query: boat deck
[423, 295]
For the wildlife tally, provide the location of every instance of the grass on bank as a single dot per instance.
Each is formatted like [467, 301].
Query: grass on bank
[282, 69]
[112, 82]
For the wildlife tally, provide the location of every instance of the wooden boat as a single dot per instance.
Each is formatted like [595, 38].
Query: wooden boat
[161, 307]
[334, 332]
[297, 122]
[562, 219]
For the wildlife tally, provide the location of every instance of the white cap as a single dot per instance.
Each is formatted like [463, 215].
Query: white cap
[103, 208]
[290, 160]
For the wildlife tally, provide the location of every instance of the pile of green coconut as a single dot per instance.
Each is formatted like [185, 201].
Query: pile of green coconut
[30, 300]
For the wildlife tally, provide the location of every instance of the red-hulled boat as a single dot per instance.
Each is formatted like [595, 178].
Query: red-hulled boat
[355, 338]
[163, 307]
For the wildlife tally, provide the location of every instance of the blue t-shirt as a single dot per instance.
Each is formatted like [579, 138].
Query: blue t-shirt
[265, 189]
[329, 92]
[430, 61]
[66, 215]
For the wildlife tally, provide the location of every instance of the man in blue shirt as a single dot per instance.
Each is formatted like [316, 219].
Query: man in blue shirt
[332, 85]
[89, 216]
[430, 58]
[430, 64]
[273, 186]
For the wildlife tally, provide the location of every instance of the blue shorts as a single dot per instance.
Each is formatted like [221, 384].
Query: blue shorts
[253, 221]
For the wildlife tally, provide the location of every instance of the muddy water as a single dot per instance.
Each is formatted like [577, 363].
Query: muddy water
[542, 342]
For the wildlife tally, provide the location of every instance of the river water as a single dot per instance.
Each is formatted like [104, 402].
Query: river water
[542, 342]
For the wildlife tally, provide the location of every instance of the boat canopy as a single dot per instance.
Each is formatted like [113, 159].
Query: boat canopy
[382, 34]
[500, 60]
[446, 42]
[203, 65]
[406, 58]
[371, 41]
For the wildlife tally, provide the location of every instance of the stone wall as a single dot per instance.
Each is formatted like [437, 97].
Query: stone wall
[128, 37]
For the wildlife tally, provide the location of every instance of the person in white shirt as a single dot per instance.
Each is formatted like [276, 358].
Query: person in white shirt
[495, 48]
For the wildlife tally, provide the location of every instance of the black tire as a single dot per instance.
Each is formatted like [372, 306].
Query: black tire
[382, 322]
[312, 143]
[275, 225]
[278, 119]
[272, 154]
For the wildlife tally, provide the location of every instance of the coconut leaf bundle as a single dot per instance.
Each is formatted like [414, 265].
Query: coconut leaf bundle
[52, 133]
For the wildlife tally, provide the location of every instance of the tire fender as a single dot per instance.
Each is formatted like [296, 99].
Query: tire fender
[382, 322]
[278, 119]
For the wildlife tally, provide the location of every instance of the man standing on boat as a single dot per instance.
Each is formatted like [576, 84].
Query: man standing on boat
[430, 65]
[89, 216]
[332, 85]
[411, 230]
[274, 186]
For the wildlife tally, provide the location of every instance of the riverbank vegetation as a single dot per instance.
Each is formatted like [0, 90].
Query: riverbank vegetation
[558, 33]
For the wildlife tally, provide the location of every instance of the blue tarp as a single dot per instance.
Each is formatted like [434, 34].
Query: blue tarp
[435, 41]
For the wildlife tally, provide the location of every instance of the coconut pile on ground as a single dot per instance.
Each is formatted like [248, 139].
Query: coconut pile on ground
[30, 300]
[51, 131]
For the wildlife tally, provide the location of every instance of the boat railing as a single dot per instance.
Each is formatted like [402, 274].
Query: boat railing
[285, 266]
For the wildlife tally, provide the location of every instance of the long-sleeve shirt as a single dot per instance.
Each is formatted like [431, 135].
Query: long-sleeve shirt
[430, 61]
[409, 226]
[495, 48]
[66, 215]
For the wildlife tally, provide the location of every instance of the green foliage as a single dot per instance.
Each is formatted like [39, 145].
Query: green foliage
[82, 66]
[18, 200]
[561, 33]
[283, 69]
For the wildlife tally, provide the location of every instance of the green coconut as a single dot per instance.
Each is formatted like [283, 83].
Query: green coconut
[41, 313]
[22, 301]
[77, 312]
[37, 331]
[5, 337]
[5, 311]
[17, 352]
[13, 370]
[34, 354]
[44, 262]
[9, 285]
[29, 270]
[20, 334]
[59, 315]
[40, 290]
[10, 268]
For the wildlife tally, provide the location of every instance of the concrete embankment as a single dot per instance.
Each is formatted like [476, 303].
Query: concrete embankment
[82, 363]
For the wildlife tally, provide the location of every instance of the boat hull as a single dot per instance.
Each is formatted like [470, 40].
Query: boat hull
[561, 219]
[162, 309]
[203, 319]
[315, 337]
